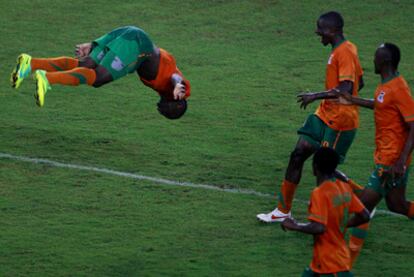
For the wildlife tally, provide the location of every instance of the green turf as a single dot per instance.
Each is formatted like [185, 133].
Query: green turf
[246, 61]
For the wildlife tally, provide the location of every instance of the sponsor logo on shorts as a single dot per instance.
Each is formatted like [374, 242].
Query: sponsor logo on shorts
[117, 64]
[101, 55]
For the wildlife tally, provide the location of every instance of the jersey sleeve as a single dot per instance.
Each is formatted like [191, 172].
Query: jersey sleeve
[356, 205]
[405, 104]
[346, 67]
[187, 88]
[318, 208]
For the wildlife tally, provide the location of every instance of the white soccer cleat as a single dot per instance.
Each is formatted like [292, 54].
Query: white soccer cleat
[273, 216]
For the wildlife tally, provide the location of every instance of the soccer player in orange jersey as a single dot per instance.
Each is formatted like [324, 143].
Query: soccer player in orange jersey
[332, 201]
[333, 124]
[393, 107]
[114, 55]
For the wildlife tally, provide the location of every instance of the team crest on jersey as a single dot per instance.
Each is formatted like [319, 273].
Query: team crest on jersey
[330, 59]
[380, 97]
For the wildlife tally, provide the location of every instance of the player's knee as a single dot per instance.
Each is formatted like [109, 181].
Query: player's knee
[103, 76]
[396, 207]
[87, 62]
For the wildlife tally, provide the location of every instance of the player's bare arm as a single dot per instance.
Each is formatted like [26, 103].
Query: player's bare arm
[359, 218]
[312, 228]
[179, 86]
[306, 98]
[399, 168]
[361, 83]
[347, 99]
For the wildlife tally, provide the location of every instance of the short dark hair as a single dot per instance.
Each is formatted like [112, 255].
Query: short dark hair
[172, 109]
[394, 52]
[334, 20]
[326, 160]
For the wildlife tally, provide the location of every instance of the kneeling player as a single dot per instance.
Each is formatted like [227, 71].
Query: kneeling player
[108, 58]
[331, 203]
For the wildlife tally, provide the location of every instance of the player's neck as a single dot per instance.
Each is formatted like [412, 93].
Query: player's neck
[337, 40]
[321, 178]
[388, 73]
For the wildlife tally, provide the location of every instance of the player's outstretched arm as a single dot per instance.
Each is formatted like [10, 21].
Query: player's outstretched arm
[359, 218]
[347, 99]
[312, 228]
[306, 98]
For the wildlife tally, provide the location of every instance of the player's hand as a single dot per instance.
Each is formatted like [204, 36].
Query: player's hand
[397, 170]
[345, 98]
[305, 98]
[82, 50]
[289, 224]
[179, 91]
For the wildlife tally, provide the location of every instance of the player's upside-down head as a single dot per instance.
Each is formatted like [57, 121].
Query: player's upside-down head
[172, 109]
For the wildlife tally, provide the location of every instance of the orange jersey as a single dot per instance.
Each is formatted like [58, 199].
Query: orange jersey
[162, 83]
[394, 106]
[331, 203]
[343, 65]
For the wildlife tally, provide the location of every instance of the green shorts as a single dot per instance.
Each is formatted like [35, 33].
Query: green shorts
[317, 133]
[122, 50]
[309, 273]
[382, 182]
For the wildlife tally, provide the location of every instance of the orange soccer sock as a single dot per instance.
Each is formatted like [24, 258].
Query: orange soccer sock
[286, 194]
[356, 240]
[74, 77]
[54, 64]
[410, 213]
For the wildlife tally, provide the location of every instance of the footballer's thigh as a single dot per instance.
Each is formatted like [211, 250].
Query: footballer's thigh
[110, 68]
[341, 141]
[396, 194]
[103, 76]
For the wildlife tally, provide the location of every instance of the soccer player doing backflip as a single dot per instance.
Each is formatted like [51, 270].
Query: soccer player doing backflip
[114, 55]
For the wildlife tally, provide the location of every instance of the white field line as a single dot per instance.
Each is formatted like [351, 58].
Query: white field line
[149, 178]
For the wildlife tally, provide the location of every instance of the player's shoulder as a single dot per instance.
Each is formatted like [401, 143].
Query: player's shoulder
[347, 48]
[398, 85]
[400, 81]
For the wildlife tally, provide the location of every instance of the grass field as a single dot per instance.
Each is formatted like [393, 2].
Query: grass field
[246, 61]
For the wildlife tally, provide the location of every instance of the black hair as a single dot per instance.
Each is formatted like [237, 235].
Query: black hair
[393, 52]
[172, 109]
[326, 160]
[333, 19]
